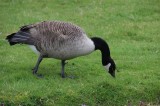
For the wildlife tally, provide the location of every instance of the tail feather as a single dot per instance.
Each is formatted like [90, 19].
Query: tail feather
[19, 37]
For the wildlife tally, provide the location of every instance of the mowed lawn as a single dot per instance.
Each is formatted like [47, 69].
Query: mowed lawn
[130, 27]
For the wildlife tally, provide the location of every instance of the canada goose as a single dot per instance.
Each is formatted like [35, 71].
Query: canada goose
[61, 40]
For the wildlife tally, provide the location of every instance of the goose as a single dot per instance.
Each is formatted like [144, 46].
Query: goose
[63, 41]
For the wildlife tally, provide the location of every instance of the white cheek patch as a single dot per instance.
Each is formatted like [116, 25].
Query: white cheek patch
[107, 66]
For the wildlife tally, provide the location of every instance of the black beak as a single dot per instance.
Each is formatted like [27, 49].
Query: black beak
[113, 74]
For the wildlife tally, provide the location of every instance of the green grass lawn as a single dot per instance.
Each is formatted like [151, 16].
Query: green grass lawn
[132, 30]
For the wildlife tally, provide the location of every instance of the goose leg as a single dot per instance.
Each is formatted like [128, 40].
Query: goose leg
[62, 70]
[35, 69]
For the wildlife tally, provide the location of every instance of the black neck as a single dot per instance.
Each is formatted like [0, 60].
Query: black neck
[101, 45]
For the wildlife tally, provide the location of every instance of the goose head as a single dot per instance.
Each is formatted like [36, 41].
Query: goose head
[107, 61]
[110, 66]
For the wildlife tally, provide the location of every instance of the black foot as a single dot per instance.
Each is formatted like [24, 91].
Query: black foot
[62, 75]
[38, 75]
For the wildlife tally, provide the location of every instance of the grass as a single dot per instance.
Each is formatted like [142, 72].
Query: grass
[131, 28]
